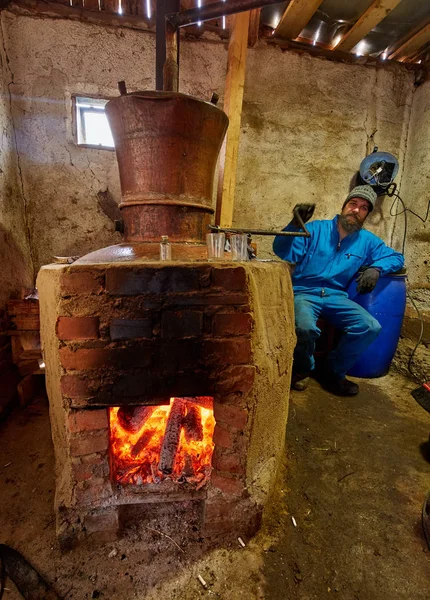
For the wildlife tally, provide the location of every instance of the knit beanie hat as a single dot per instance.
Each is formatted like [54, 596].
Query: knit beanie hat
[363, 191]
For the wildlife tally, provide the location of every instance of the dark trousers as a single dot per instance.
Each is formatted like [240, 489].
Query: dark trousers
[359, 330]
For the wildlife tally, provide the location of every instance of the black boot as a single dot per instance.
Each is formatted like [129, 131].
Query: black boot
[339, 386]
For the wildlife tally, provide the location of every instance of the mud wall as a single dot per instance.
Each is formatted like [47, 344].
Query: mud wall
[15, 260]
[415, 192]
[306, 125]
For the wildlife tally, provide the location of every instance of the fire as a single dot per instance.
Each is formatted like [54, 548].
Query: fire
[154, 443]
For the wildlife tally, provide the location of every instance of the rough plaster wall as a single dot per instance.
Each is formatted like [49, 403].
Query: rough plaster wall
[15, 258]
[50, 61]
[415, 191]
[307, 124]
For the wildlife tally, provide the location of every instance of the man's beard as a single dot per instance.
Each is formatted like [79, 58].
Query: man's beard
[350, 225]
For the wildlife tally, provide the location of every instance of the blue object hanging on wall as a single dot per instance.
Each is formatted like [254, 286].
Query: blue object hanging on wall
[379, 169]
[387, 304]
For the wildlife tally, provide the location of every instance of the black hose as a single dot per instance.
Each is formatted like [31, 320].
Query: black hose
[27, 580]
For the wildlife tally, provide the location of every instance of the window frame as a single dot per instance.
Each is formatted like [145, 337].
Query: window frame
[78, 121]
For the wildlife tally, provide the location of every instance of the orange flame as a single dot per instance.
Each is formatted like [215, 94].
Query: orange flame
[136, 454]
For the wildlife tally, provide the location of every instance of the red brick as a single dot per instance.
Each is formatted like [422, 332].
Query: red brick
[178, 355]
[238, 379]
[88, 420]
[81, 282]
[232, 324]
[133, 282]
[87, 444]
[84, 358]
[228, 351]
[82, 472]
[91, 494]
[226, 461]
[222, 437]
[130, 329]
[95, 358]
[106, 520]
[77, 328]
[74, 387]
[229, 278]
[221, 299]
[233, 416]
[181, 324]
[227, 485]
[85, 470]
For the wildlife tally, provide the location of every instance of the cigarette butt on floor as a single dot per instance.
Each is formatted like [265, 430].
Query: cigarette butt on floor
[241, 542]
[202, 581]
[294, 521]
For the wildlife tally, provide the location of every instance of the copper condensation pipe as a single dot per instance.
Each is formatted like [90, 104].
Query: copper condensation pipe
[195, 15]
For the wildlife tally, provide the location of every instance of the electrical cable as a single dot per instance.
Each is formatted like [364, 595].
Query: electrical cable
[404, 211]
[419, 339]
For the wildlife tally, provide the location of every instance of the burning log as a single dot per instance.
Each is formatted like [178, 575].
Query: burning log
[156, 477]
[172, 435]
[188, 470]
[203, 401]
[192, 423]
[132, 418]
[142, 442]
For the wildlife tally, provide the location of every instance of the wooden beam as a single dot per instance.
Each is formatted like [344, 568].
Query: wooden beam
[254, 27]
[410, 46]
[233, 100]
[368, 21]
[295, 18]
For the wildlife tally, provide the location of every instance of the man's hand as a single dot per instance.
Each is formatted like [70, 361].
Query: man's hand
[367, 280]
[305, 211]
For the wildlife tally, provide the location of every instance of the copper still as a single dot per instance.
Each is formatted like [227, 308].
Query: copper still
[167, 145]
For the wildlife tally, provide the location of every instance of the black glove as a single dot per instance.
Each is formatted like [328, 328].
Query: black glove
[367, 280]
[305, 211]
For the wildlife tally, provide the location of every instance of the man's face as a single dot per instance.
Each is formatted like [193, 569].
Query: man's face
[354, 214]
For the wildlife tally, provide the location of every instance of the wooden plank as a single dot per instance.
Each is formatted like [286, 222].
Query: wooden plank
[410, 46]
[376, 13]
[233, 100]
[295, 18]
[254, 27]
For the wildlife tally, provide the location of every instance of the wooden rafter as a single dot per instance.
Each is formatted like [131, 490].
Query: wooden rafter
[410, 46]
[376, 13]
[295, 18]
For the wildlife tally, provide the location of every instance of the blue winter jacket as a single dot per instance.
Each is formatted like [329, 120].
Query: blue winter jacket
[323, 261]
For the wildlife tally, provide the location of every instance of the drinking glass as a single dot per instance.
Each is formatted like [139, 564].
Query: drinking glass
[215, 243]
[239, 246]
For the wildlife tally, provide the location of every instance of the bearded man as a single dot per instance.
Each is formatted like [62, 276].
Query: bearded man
[324, 265]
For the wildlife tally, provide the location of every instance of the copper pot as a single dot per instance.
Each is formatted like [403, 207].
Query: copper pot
[167, 146]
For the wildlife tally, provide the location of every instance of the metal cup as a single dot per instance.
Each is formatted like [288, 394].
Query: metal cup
[215, 243]
[239, 246]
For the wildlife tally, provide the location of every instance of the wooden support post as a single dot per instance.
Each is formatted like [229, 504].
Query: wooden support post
[233, 99]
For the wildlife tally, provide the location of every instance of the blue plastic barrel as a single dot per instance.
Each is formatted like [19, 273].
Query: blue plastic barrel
[387, 304]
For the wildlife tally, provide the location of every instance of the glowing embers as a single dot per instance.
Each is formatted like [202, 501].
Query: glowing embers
[150, 444]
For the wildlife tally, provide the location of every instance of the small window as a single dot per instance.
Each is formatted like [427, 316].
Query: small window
[92, 127]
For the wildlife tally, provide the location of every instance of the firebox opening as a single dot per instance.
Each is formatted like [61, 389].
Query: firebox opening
[152, 444]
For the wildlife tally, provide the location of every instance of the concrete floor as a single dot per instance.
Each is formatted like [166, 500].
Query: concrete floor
[356, 475]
